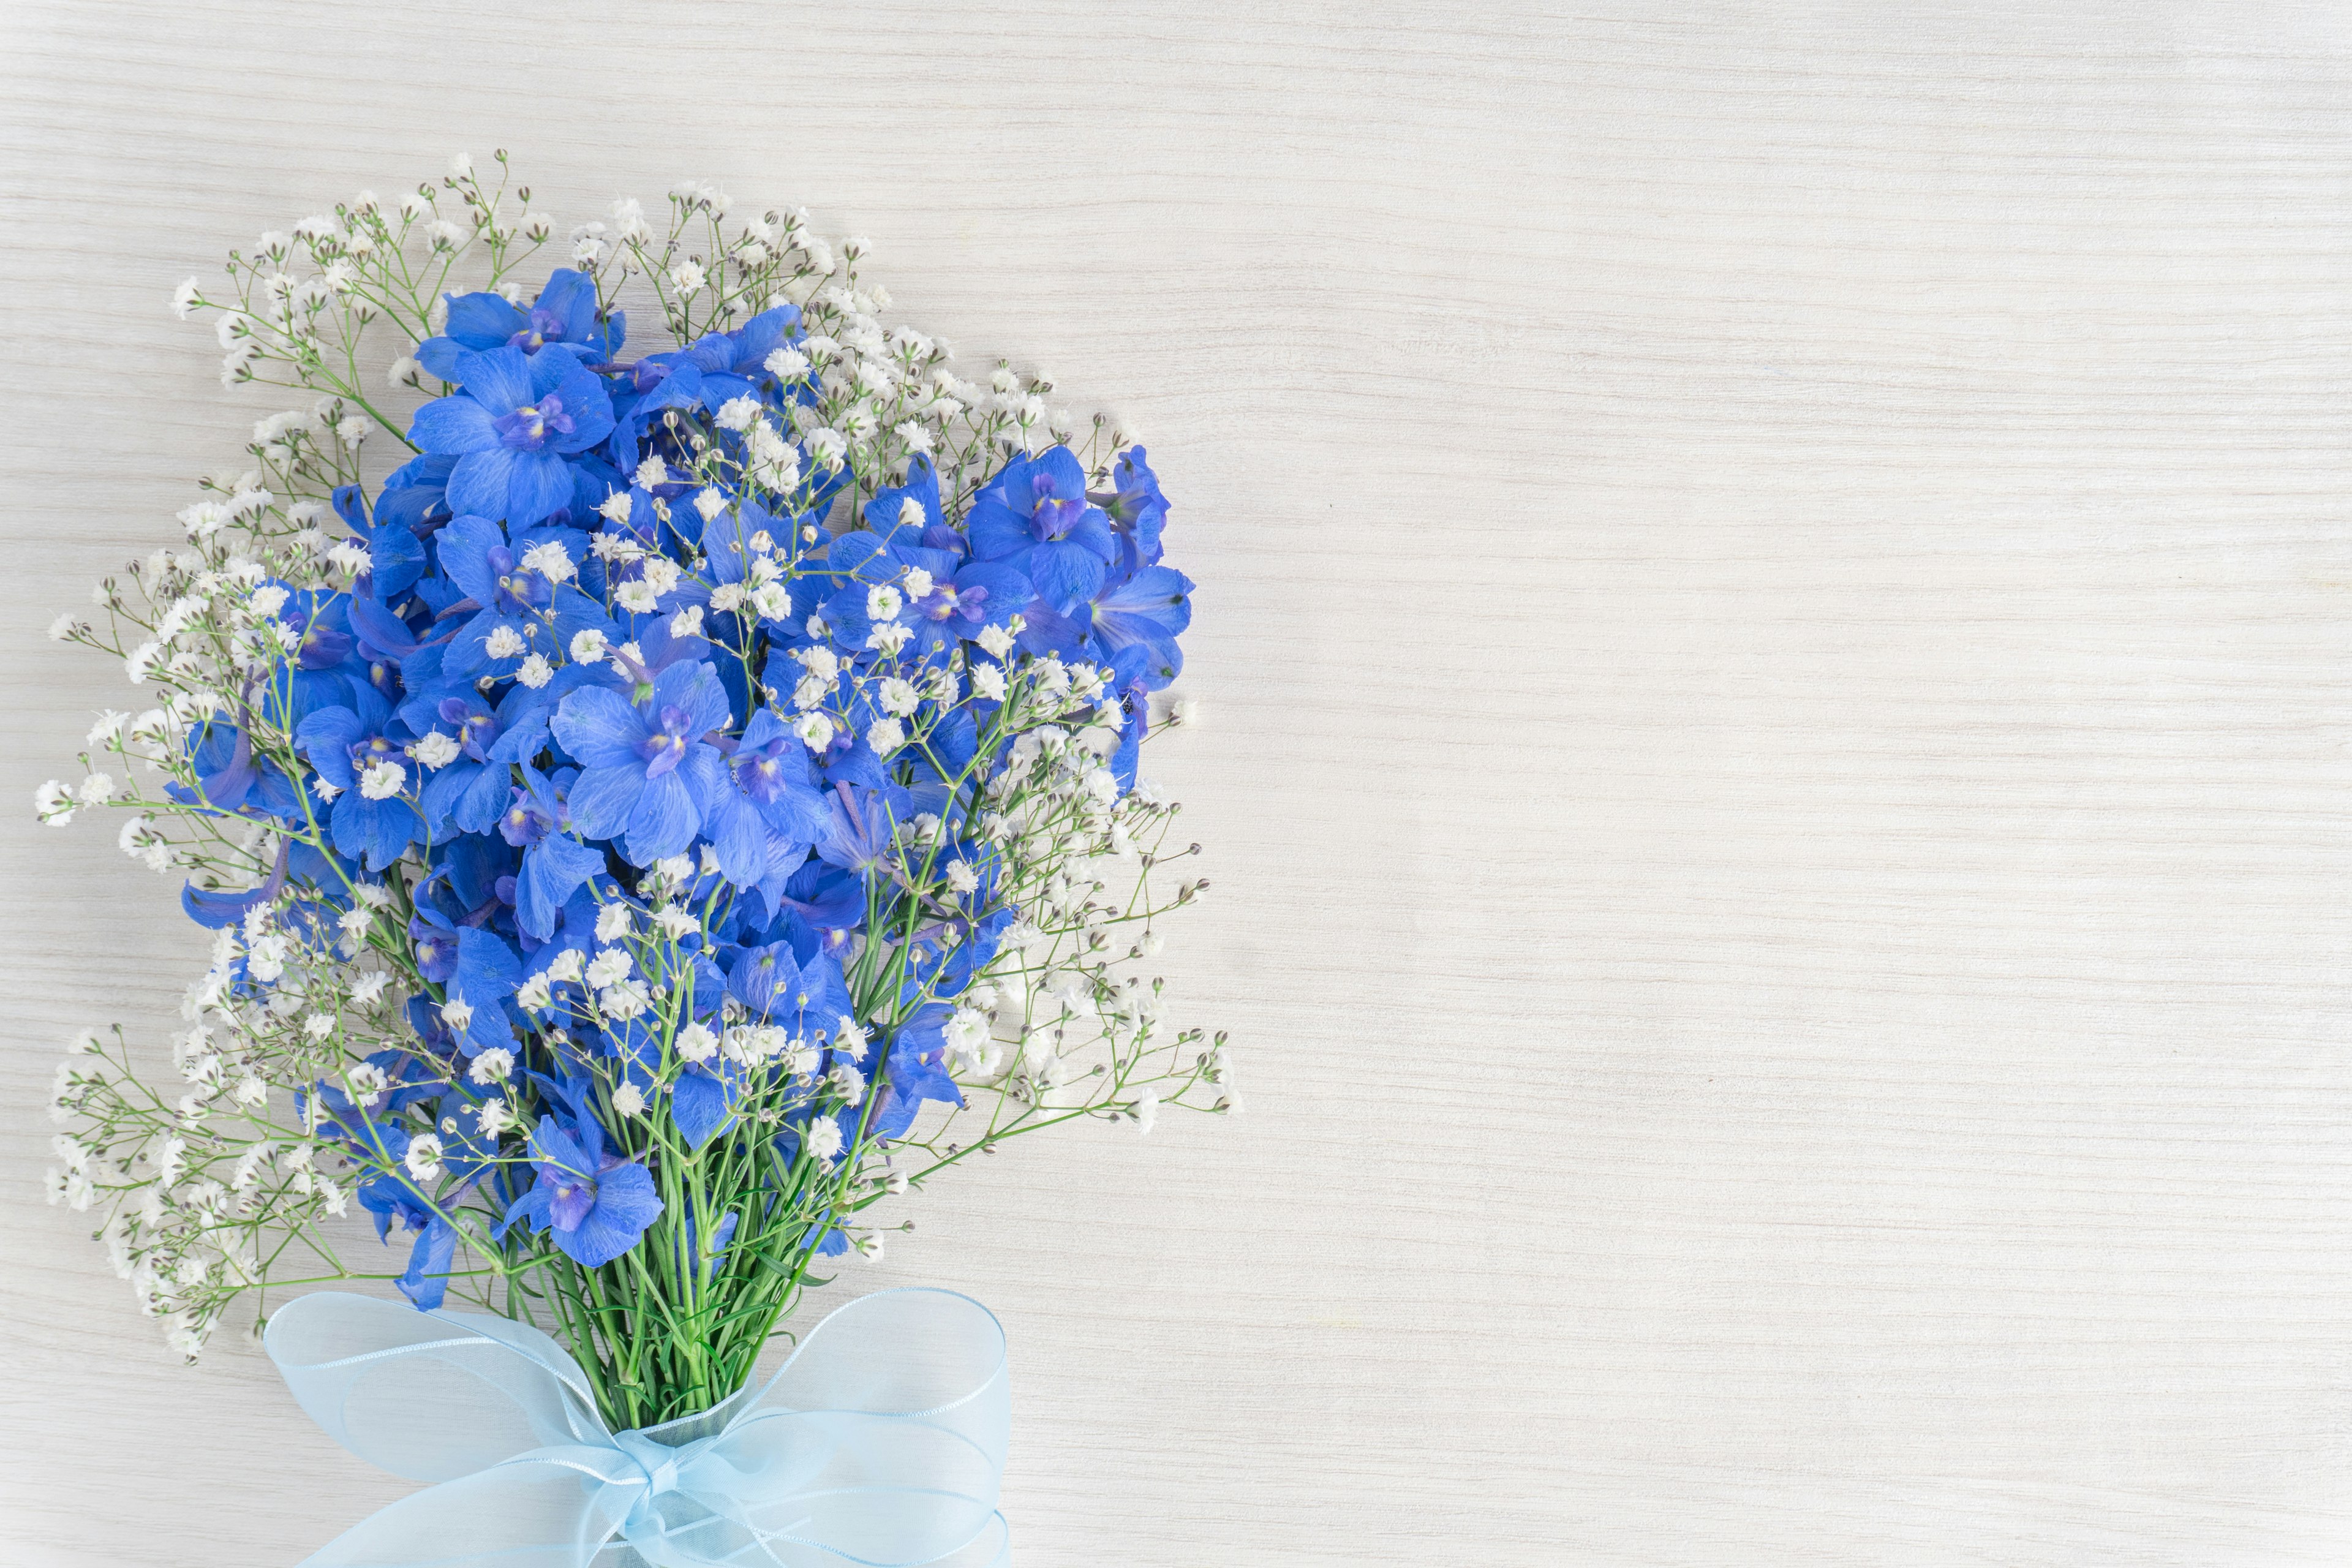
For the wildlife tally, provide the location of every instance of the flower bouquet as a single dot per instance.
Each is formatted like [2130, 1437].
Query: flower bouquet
[691, 799]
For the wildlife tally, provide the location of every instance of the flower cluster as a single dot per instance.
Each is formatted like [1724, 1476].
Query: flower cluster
[690, 797]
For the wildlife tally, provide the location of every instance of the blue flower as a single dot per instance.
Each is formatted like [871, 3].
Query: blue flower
[802, 998]
[486, 973]
[517, 417]
[862, 834]
[361, 751]
[1146, 610]
[646, 772]
[1138, 510]
[564, 318]
[511, 592]
[1035, 518]
[554, 864]
[596, 1202]
[735, 364]
[770, 793]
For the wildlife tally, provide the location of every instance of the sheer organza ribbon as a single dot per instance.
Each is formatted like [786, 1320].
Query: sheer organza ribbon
[880, 1444]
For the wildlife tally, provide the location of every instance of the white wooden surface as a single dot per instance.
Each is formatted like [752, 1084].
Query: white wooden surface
[1775, 603]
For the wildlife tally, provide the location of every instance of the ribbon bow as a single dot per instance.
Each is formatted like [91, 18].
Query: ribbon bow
[880, 1444]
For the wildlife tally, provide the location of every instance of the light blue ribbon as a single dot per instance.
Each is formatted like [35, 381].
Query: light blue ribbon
[880, 1444]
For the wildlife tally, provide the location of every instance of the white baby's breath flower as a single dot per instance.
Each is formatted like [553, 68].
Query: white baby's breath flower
[424, 1157]
[695, 1042]
[434, 750]
[53, 803]
[822, 1138]
[382, 781]
[628, 1100]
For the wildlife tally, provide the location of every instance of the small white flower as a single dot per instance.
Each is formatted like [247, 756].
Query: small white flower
[457, 1013]
[382, 780]
[54, 804]
[883, 602]
[551, 560]
[961, 878]
[628, 1100]
[995, 641]
[897, 696]
[367, 1083]
[848, 1039]
[652, 472]
[536, 672]
[695, 1042]
[688, 277]
[424, 1157]
[737, 412]
[434, 750]
[565, 969]
[623, 1002]
[496, 1116]
[988, 679]
[64, 626]
[885, 736]
[815, 730]
[98, 789]
[610, 967]
[784, 365]
[590, 647]
[822, 1138]
[405, 372]
[612, 924]
[504, 642]
[185, 298]
[491, 1066]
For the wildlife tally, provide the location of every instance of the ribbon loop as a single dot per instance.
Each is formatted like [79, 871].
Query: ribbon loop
[879, 1443]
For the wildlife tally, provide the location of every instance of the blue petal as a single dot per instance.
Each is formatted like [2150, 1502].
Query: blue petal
[463, 548]
[553, 870]
[664, 822]
[427, 1278]
[539, 483]
[600, 728]
[450, 425]
[499, 378]
[481, 481]
[700, 1105]
[625, 1204]
[482, 321]
[1064, 572]
[604, 799]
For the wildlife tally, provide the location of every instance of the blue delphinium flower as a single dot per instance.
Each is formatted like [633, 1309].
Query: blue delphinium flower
[1035, 518]
[555, 865]
[362, 752]
[511, 428]
[563, 318]
[647, 772]
[595, 1203]
[769, 793]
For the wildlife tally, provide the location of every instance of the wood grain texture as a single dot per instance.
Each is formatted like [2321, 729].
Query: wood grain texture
[1775, 603]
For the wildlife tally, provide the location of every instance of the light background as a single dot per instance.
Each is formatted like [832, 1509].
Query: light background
[1774, 609]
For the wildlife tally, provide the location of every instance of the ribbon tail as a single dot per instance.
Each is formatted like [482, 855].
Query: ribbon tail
[527, 1513]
